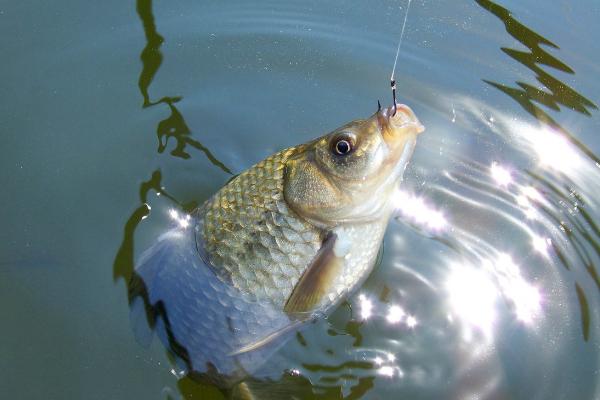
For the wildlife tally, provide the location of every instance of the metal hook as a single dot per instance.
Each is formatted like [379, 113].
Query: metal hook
[393, 84]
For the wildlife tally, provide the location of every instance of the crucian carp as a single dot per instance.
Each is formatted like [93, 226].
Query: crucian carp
[283, 242]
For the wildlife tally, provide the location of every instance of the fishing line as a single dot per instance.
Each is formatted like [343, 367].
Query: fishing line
[392, 79]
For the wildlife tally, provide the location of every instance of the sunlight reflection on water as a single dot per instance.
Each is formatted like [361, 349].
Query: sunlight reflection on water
[419, 211]
[183, 220]
[552, 149]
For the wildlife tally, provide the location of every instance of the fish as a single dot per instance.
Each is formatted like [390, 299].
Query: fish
[280, 245]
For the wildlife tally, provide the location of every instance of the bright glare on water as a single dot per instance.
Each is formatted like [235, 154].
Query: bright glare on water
[120, 118]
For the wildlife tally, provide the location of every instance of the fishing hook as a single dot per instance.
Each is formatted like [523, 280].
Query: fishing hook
[393, 84]
[392, 79]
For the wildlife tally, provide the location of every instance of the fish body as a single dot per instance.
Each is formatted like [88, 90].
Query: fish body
[262, 246]
[279, 244]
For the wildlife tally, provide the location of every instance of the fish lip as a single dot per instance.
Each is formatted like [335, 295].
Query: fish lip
[390, 115]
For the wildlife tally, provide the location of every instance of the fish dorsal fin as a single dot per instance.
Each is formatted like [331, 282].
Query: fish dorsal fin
[316, 280]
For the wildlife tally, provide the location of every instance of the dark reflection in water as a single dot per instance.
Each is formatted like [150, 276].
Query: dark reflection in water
[575, 225]
[527, 95]
[151, 56]
[174, 126]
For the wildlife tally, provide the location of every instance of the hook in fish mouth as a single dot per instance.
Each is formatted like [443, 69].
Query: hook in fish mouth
[393, 85]
[397, 123]
[400, 115]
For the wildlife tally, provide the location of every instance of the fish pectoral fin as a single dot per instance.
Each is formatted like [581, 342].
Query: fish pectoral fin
[314, 283]
[316, 280]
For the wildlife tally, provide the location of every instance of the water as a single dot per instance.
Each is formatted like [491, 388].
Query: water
[488, 287]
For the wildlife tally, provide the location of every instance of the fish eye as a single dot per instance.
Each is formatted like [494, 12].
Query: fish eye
[342, 145]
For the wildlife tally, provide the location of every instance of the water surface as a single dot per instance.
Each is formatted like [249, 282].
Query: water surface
[114, 113]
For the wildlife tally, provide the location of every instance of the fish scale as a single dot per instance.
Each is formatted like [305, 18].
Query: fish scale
[253, 239]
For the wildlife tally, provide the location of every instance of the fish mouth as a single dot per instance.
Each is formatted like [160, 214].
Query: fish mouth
[396, 122]
[399, 129]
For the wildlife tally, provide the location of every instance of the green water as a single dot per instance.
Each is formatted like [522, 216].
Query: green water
[107, 105]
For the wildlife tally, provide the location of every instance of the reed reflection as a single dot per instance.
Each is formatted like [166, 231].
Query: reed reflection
[151, 55]
[173, 126]
[556, 92]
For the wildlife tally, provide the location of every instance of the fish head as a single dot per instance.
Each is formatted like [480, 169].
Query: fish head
[350, 174]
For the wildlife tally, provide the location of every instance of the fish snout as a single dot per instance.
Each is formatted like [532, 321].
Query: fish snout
[397, 123]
